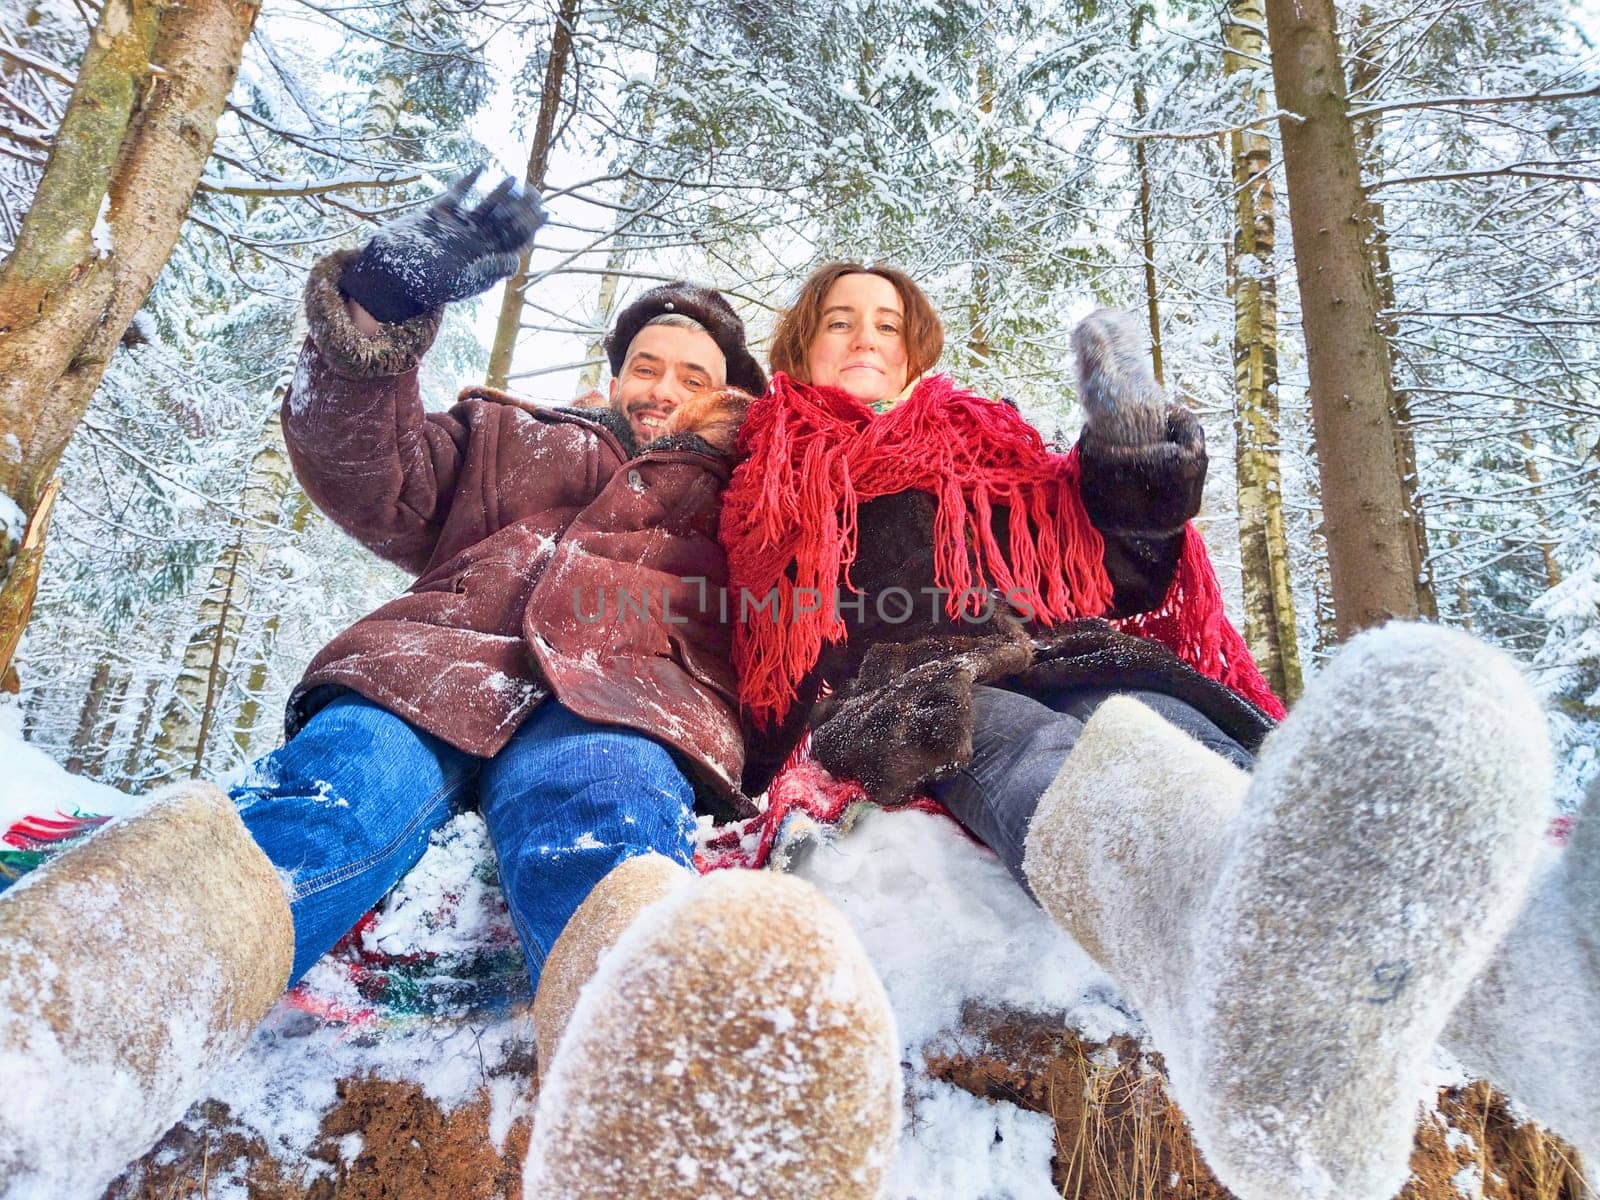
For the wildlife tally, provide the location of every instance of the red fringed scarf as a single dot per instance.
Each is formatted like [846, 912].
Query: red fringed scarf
[816, 454]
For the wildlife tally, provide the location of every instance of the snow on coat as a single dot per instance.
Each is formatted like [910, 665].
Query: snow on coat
[551, 558]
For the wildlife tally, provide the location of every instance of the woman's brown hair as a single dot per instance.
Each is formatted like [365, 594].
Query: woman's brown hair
[791, 339]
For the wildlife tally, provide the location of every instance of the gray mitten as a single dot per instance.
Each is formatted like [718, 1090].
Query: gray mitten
[1123, 403]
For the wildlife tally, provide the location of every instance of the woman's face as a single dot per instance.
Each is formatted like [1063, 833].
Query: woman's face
[860, 345]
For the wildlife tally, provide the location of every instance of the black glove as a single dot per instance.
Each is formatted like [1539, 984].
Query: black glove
[445, 252]
[894, 738]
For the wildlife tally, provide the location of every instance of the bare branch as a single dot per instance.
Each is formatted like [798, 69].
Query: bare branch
[1467, 101]
[323, 187]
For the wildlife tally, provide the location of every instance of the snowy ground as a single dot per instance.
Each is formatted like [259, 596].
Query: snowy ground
[946, 926]
[32, 783]
[943, 922]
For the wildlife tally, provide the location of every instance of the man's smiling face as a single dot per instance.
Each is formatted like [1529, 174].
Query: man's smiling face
[665, 365]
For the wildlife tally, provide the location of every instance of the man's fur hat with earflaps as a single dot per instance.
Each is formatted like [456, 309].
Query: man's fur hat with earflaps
[699, 304]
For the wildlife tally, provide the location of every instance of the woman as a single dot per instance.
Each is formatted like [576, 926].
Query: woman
[1101, 534]
[1266, 927]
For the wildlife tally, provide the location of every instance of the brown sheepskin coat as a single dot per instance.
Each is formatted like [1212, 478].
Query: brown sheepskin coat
[552, 558]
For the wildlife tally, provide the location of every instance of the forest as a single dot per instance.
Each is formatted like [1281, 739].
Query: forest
[1364, 239]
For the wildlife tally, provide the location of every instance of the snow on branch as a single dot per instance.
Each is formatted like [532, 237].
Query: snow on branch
[310, 187]
[1527, 169]
[32, 137]
[34, 63]
[1200, 135]
[1467, 101]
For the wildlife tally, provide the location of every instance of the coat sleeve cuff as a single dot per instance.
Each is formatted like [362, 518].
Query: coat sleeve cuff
[392, 350]
[1145, 490]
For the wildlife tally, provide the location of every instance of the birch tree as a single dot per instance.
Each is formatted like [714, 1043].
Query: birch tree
[1263, 543]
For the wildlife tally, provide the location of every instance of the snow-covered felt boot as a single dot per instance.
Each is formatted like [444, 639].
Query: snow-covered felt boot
[1531, 1023]
[735, 1042]
[132, 968]
[621, 896]
[1296, 940]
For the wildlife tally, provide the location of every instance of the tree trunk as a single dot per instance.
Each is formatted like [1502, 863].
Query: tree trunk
[89, 718]
[1372, 545]
[178, 742]
[220, 650]
[184, 732]
[256, 680]
[22, 561]
[1363, 78]
[510, 322]
[138, 754]
[605, 305]
[1263, 543]
[979, 345]
[111, 708]
[1147, 236]
[1530, 471]
[122, 173]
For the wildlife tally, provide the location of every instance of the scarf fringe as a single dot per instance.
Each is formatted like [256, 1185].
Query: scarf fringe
[815, 455]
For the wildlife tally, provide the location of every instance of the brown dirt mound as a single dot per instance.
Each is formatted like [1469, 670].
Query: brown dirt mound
[381, 1140]
[1118, 1135]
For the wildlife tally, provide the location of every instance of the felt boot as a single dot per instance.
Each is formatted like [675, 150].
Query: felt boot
[132, 968]
[1296, 940]
[735, 1042]
[617, 899]
[1531, 1023]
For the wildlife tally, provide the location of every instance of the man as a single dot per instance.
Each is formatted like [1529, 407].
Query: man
[586, 738]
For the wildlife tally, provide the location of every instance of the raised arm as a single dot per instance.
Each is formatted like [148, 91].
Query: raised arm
[365, 452]
[363, 447]
[1143, 461]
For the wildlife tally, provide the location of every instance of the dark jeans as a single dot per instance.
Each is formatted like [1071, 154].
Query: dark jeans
[1018, 745]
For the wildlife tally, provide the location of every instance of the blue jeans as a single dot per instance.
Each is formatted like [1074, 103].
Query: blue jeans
[345, 809]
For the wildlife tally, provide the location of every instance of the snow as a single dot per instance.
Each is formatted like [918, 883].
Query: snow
[32, 783]
[100, 235]
[445, 882]
[944, 924]
[12, 519]
[958, 1144]
[946, 928]
[1468, 1181]
[300, 390]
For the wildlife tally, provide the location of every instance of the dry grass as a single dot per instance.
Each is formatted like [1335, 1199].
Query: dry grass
[1514, 1160]
[1119, 1136]
[1124, 1132]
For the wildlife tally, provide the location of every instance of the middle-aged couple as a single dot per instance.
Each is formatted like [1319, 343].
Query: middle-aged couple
[1299, 919]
